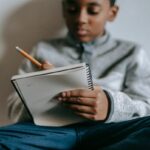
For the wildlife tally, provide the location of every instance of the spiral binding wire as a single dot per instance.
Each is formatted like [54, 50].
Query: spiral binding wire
[89, 77]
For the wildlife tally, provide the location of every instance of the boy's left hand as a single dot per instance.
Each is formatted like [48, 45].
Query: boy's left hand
[90, 104]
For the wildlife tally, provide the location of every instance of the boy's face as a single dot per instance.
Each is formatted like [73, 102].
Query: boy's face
[86, 19]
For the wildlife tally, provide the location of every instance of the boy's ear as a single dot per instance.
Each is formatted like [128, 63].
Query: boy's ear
[113, 13]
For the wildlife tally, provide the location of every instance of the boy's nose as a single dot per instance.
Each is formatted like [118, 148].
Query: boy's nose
[82, 17]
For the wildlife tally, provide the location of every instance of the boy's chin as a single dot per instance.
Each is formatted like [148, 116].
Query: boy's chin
[84, 39]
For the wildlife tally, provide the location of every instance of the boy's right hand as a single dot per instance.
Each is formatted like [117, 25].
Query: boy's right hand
[46, 65]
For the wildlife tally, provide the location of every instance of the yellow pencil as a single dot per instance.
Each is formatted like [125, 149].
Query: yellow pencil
[25, 54]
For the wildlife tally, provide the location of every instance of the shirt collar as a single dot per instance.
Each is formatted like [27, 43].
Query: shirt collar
[100, 45]
[97, 42]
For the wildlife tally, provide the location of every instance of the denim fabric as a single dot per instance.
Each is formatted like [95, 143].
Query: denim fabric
[27, 136]
[133, 134]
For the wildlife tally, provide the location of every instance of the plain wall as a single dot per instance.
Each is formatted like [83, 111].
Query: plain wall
[25, 22]
[133, 22]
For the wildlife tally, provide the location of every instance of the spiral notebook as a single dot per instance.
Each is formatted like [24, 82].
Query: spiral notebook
[38, 90]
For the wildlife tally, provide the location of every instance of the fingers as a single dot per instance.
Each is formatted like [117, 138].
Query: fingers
[85, 107]
[80, 101]
[46, 65]
[84, 111]
[81, 108]
[90, 104]
[81, 93]
[87, 116]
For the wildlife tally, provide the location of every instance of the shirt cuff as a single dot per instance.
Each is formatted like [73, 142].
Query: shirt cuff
[110, 105]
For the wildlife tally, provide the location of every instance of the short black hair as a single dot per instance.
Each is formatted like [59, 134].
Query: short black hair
[112, 2]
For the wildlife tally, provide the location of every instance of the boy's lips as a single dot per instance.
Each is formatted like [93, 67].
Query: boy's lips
[81, 31]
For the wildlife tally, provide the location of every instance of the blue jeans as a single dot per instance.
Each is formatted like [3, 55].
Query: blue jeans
[133, 134]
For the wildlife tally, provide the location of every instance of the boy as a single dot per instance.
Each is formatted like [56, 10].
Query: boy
[119, 105]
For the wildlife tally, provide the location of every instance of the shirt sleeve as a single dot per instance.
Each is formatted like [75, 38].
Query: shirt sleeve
[133, 100]
[16, 109]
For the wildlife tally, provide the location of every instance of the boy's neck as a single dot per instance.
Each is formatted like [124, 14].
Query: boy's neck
[98, 39]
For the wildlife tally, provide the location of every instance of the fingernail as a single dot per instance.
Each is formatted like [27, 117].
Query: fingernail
[64, 94]
[60, 98]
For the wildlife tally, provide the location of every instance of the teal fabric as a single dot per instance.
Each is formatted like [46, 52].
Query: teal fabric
[127, 135]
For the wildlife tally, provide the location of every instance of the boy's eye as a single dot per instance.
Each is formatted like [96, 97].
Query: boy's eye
[72, 9]
[94, 10]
